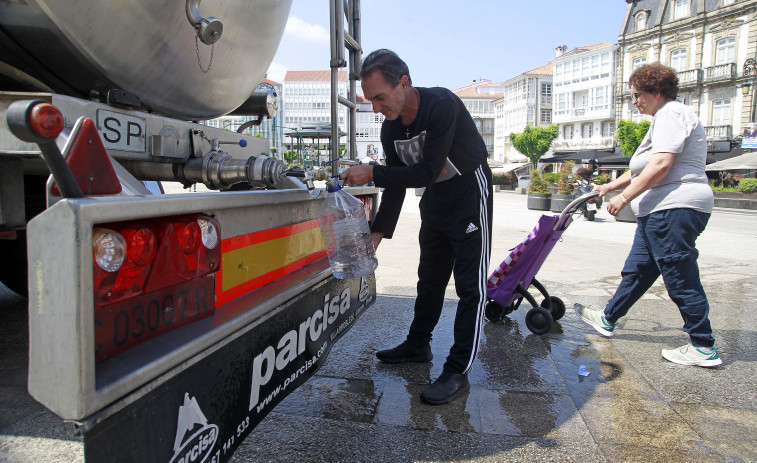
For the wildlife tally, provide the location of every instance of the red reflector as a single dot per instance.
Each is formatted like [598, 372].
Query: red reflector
[46, 120]
[89, 161]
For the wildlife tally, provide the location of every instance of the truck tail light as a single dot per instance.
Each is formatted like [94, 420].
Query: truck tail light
[140, 257]
[209, 233]
[141, 246]
[108, 249]
[189, 236]
[46, 120]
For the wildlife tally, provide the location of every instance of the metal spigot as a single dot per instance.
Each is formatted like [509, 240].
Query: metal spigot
[307, 176]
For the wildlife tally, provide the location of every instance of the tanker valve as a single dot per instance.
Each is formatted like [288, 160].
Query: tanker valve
[307, 176]
[208, 29]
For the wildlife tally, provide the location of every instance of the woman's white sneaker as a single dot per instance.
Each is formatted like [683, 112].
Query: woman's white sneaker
[690, 355]
[596, 319]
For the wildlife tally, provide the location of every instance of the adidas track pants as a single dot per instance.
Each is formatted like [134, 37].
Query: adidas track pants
[455, 237]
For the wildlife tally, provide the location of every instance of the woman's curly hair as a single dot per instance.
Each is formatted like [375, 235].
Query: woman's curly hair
[655, 78]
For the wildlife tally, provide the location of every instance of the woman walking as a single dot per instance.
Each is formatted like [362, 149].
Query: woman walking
[667, 188]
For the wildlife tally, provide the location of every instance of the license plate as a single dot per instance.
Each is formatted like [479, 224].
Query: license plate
[121, 326]
[122, 132]
[591, 206]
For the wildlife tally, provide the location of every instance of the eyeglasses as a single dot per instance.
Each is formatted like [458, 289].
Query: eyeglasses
[635, 96]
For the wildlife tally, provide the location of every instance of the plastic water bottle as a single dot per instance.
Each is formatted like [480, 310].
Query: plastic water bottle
[346, 234]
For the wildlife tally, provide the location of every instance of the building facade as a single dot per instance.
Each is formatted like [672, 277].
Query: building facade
[368, 131]
[709, 43]
[477, 98]
[307, 108]
[526, 100]
[584, 98]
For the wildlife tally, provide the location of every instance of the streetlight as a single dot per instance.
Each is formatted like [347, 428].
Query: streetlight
[750, 69]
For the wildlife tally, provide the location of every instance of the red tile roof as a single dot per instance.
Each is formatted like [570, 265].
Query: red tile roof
[312, 76]
[471, 91]
[578, 50]
[545, 70]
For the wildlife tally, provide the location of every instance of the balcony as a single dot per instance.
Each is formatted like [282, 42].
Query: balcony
[582, 144]
[718, 132]
[690, 78]
[720, 73]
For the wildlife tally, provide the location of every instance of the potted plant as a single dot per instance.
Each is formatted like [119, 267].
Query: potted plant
[551, 179]
[538, 195]
[564, 194]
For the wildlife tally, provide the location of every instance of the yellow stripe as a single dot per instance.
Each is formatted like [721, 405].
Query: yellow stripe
[242, 265]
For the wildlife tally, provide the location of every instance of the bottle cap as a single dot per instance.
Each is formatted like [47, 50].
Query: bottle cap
[336, 186]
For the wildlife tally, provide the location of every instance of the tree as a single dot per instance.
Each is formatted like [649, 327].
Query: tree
[534, 141]
[290, 156]
[631, 134]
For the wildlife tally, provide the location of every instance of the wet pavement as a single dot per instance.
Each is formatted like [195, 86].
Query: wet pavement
[527, 401]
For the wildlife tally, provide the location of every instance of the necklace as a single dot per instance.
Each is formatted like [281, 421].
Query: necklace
[418, 105]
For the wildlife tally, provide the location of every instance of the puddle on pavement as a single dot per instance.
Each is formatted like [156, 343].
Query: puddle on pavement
[522, 385]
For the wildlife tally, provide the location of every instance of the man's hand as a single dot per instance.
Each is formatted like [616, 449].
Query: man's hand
[376, 237]
[358, 175]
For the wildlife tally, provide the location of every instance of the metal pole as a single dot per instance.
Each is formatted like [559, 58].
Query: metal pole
[337, 44]
[355, 59]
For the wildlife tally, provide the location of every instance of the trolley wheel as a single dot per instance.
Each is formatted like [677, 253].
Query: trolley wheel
[558, 307]
[494, 312]
[539, 320]
[590, 215]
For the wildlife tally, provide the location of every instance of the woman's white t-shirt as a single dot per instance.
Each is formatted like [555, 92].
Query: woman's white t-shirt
[675, 129]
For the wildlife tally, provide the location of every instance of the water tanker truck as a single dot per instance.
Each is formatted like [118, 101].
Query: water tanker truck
[164, 326]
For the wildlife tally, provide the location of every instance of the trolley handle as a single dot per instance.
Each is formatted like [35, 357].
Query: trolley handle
[572, 208]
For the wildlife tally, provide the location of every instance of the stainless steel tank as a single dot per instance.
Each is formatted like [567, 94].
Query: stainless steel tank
[145, 47]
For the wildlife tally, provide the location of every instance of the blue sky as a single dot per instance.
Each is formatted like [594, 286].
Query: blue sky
[449, 44]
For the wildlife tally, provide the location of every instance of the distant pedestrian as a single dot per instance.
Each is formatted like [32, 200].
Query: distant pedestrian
[431, 141]
[668, 190]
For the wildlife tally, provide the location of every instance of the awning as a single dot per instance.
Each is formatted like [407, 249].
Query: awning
[744, 162]
[722, 155]
[509, 167]
[599, 157]
[312, 131]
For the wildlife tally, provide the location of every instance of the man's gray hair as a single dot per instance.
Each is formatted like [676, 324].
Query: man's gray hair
[388, 63]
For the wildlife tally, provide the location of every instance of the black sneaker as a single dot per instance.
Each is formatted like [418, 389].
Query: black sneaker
[446, 388]
[406, 352]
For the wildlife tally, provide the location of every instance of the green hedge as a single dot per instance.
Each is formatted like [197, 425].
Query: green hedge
[500, 179]
[748, 185]
[551, 177]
